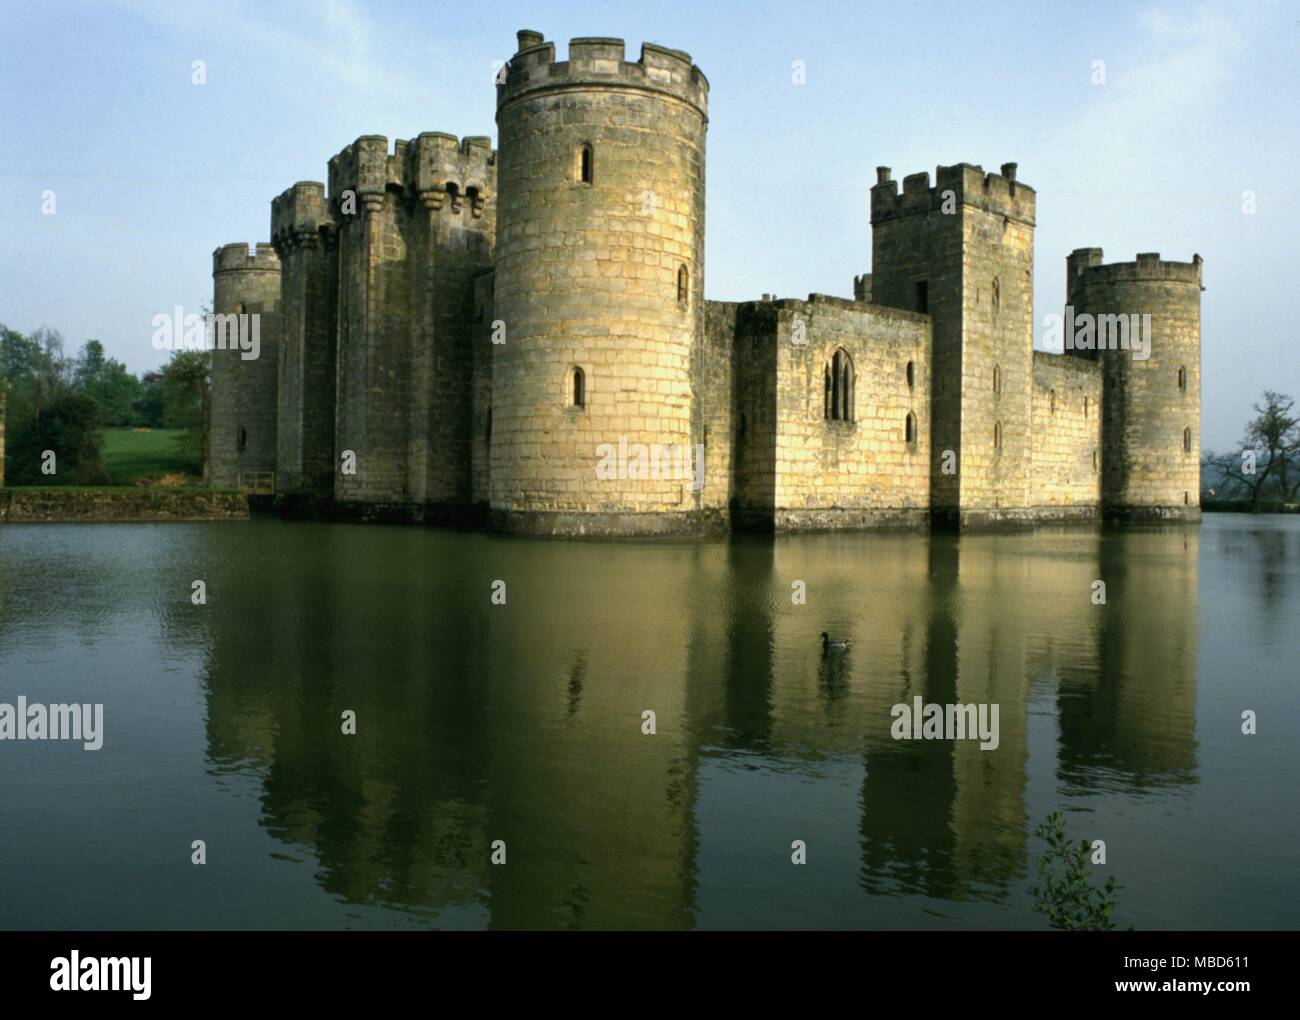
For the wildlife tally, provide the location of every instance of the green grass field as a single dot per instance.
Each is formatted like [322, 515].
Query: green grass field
[135, 457]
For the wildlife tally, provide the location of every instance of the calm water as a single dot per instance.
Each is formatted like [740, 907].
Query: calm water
[522, 723]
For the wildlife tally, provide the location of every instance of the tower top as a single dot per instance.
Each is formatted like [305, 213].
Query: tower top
[1147, 267]
[245, 258]
[600, 63]
[969, 185]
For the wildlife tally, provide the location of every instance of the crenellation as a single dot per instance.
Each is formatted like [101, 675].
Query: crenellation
[594, 61]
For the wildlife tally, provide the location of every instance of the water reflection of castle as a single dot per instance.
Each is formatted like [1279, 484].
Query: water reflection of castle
[478, 723]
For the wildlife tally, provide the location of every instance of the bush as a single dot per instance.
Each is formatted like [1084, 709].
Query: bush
[1065, 896]
[68, 425]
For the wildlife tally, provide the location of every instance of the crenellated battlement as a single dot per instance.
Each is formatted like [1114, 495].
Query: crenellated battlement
[429, 168]
[601, 63]
[1000, 193]
[299, 215]
[245, 258]
[1147, 267]
[814, 301]
[366, 167]
[438, 165]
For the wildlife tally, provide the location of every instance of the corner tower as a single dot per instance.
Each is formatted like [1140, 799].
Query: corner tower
[414, 227]
[963, 252]
[304, 234]
[1151, 405]
[242, 432]
[599, 285]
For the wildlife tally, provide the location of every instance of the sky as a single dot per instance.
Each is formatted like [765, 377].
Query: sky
[1189, 144]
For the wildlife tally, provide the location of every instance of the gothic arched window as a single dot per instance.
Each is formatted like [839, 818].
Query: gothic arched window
[838, 388]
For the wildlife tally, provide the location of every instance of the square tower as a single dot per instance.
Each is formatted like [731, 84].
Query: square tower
[962, 251]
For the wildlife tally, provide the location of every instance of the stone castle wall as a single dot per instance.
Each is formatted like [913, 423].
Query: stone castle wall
[713, 382]
[962, 251]
[480, 450]
[602, 222]
[755, 403]
[861, 471]
[242, 427]
[304, 234]
[1152, 407]
[1065, 457]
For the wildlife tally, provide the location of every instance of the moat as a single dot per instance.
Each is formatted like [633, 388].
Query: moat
[522, 722]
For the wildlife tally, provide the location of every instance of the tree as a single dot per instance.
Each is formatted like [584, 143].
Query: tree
[148, 408]
[186, 380]
[1269, 461]
[53, 370]
[68, 425]
[88, 369]
[107, 380]
[19, 355]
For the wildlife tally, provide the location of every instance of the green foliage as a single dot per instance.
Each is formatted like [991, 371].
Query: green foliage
[133, 457]
[38, 380]
[1066, 896]
[69, 425]
[185, 399]
[19, 355]
[107, 380]
[149, 408]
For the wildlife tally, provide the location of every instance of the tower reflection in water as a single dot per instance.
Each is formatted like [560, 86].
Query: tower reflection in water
[524, 722]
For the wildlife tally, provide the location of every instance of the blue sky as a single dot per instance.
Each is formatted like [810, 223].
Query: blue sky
[151, 172]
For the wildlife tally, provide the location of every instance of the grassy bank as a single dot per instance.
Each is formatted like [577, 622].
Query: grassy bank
[149, 457]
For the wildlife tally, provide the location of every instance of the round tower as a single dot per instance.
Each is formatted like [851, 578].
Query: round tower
[245, 368]
[1151, 388]
[599, 290]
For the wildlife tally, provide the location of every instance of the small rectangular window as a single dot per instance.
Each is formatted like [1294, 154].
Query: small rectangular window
[922, 296]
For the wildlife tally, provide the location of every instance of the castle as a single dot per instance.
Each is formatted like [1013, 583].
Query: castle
[450, 332]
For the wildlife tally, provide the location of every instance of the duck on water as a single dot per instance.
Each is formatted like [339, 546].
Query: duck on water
[830, 644]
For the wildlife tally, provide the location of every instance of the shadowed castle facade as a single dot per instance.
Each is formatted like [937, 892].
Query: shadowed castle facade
[450, 332]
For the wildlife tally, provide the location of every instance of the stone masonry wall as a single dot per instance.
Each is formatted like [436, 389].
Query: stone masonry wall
[997, 217]
[969, 241]
[242, 431]
[453, 238]
[587, 278]
[863, 471]
[304, 235]
[481, 402]
[1065, 461]
[713, 384]
[754, 443]
[914, 242]
[422, 229]
[1151, 429]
